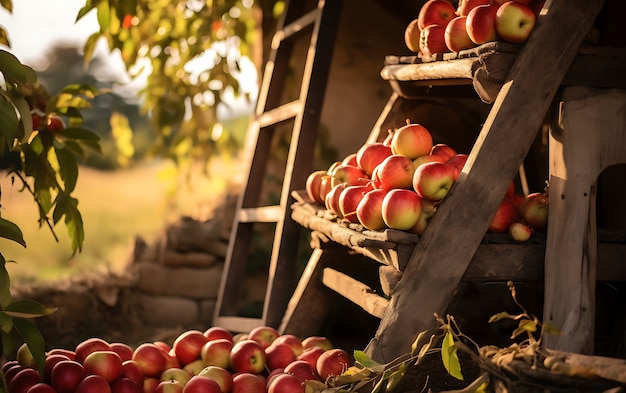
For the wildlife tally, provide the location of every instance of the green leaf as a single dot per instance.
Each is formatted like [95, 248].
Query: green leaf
[396, 377]
[5, 284]
[499, 316]
[79, 133]
[89, 48]
[9, 120]
[4, 38]
[27, 121]
[25, 308]
[33, 338]
[525, 325]
[6, 322]
[68, 168]
[87, 90]
[10, 231]
[14, 71]
[449, 356]
[365, 361]
[68, 207]
[104, 15]
[89, 5]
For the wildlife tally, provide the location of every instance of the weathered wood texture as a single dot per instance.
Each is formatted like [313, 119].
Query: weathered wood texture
[590, 137]
[444, 252]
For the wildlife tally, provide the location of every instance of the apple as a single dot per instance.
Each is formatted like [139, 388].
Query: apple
[370, 155]
[481, 24]
[302, 370]
[150, 384]
[286, 383]
[25, 357]
[317, 341]
[465, 6]
[247, 356]
[310, 355]
[433, 180]
[90, 345]
[125, 385]
[534, 210]
[122, 349]
[350, 159]
[106, 364]
[428, 211]
[401, 209]
[333, 362]
[24, 380]
[443, 150]
[8, 364]
[332, 198]
[175, 374]
[350, 174]
[272, 375]
[93, 384]
[132, 371]
[217, 353]
[325, 187]
[42, 387]
[248, 383]
[220, 375]
[514, 22]
[412, 41]
[187, 346]
[519, 232]
[150, 358]
[427, 158]
[169, 387]
[505, 215]
[163, 345]
[49, 363]
[349, 199]
[199, 384]
[396, 171]
[278, 355]
[458, 162]
[433, 40]
[194, 367]
[66, 375]
[435, 12]
[216, 332]
[369, 210]
[412, 140]
[12, 371]
[312, 187]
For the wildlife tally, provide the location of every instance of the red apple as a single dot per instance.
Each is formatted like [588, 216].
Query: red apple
[370, 155]
[325, 187]
[8, 364]
[66, 352]
[302, 370]
[350, 174]
[333, 362]
[150, 384]
[12, 371]
[66, 375]
[534, 210]
[216, 332]
[187, 346]
[199, 384]
[458, 162]
[412, 41]
[443, 150]
[42, 387]
[122, 349]
[272, 375]
[217, 353]
[465, 6]
[163, 345]
[286, 383]
[25, 357]
[517, 200]
[312, 186]
[248, 383]
[24, 380]
[349, 199]
[433, 180]
[125, 385]
[278, 355]
[332, 198]
[401, 209]
[175, 374]
[220, 375]
[106, 364]
[433, 40]
[50, 362]
[514, 22]
[350, 159]
[369, 210]
[412, 140]
[292, 341]
[317, 341]
[247, 356]
[310, 355]
[93, 384]
[194, 367]
[90, 345]
[169, 387]
[435, 12]
[150, 358]
[396, 171]
[519, 232]
[132, 371]
[481, 24]
[427, 158]
[505, 215]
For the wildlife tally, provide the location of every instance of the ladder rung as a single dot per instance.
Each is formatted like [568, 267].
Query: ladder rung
[261, 214]
[238, 324]
[355, 291]
[279, 114]
[295, 27]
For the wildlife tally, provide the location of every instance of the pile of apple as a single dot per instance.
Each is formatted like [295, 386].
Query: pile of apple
[213, 361]
[440, 27]
[400, 182]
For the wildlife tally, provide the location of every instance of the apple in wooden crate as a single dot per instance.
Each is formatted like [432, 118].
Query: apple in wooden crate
[433, 180]
[514, 22]
[433, 40]
[396, 171]
[369, 210]
[370, 155]
[435, 12]
[465, 6]
[481, 24]
[412, 140]
[247, 356]
[401, 209]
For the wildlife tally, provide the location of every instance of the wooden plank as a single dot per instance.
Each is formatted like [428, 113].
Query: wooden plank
[355, 291]
[445, 250]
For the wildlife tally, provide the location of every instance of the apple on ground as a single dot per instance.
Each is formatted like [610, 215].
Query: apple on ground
[187, 346]
[199, 384]
[150, 358]
[278, 355]
[481, 24]
[248, 383]
[317, 341]
[312, 187]
[519, 232]
[412, 140]
[132, 371]
[215, 332]
[369, 210]
[150, 384]
[333, 362]
[349, 199]
[169, 386]
[396, 171]
[264, 335]
[93, 384]
[302, 370]
[401, 209]
[90, 345]
[505, 215]
[371, 154]
[247, 356]
[124, 350]
[514, 22]
[194, 367]
[285, 383]
[66, 375]
[465, 6]
[292, 342]
[24, 380]
[175, 374]
[433, 180]
[106, 364]
[272, 375]
[220, 375]
[217, 353]
[310, 355]
[125, 385]
[435, 12]
[534, 210]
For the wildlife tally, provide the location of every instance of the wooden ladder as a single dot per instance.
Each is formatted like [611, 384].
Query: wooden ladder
[299, 20]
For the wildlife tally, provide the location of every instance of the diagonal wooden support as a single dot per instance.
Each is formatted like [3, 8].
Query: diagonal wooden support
[436, 267]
